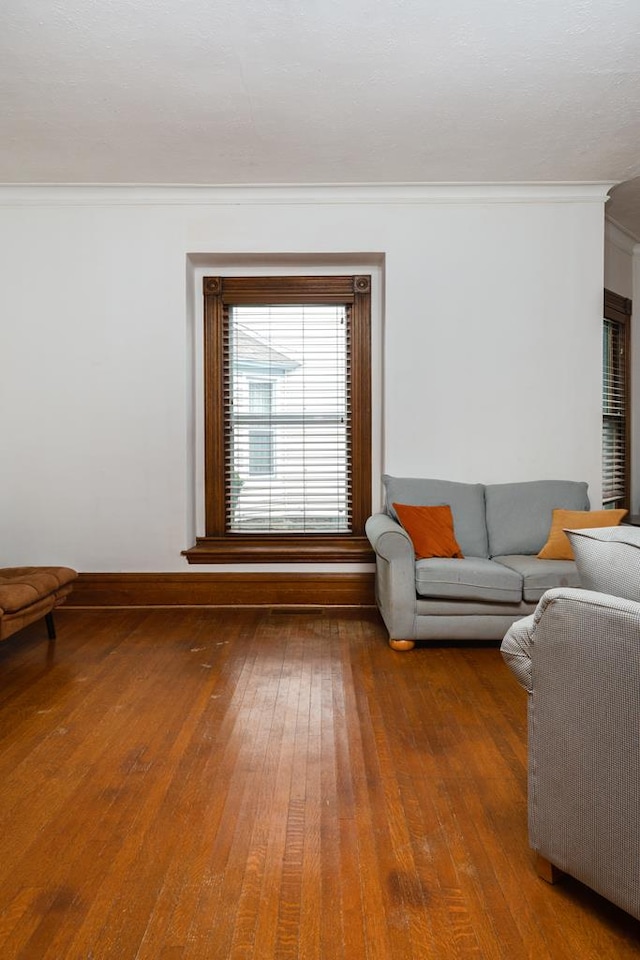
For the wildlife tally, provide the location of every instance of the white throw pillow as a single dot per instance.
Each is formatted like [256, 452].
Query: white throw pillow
[608, 560]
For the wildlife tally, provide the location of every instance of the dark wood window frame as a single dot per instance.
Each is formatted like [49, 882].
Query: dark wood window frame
[618, 308]
[218, 545]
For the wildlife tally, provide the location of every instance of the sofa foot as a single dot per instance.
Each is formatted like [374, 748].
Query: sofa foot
[547, 870]
[402, 644]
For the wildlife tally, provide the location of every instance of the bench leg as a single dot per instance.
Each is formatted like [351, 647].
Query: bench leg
[51, 627]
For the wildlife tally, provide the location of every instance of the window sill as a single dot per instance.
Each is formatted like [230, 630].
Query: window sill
[303, 549]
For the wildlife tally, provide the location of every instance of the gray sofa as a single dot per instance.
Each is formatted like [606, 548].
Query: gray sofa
[578, 658]
[500, 528]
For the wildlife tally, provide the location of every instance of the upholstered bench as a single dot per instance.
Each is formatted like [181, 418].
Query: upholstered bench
[29, 593]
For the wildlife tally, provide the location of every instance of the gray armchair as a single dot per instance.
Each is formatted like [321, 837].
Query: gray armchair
[578, 657]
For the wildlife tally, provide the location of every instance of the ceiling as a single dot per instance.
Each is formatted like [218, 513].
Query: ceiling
[322, 91]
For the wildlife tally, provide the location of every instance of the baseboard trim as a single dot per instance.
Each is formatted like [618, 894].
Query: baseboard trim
[222, 589]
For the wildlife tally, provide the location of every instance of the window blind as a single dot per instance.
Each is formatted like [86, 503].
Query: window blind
[614, 414]
[287, 418]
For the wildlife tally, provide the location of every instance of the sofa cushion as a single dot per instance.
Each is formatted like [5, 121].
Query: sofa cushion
[474, 578]
[557, 546]
[430, 529]
[465, 499]
[538, 576]
[608, 560]
[519, 514]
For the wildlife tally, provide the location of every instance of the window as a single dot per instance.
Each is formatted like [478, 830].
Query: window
[260, 441]
[261, 463]
[287, 419]
[616, 456]
[260, 395]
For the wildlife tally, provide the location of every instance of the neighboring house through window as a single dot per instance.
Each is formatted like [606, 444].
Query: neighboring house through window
[287, 418]
[616, 454]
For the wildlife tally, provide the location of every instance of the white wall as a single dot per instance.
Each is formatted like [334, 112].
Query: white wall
[635, 384]
[618, 260]
[488, 345]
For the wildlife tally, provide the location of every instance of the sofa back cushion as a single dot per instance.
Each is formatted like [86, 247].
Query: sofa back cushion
[465, 499]
[608, 560]
[519, 515]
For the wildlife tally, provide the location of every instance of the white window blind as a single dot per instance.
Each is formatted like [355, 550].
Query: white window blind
[287, 418]
[614, 413]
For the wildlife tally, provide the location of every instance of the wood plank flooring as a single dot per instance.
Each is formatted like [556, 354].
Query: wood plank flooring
[211, 784]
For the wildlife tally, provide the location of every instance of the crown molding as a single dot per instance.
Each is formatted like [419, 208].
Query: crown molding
[43, 194]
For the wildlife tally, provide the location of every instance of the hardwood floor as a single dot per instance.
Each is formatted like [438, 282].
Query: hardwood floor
[180, 784]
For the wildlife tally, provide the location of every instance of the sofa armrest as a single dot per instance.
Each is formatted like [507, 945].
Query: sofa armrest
[516, 647]
[388, 538]
[395, 576]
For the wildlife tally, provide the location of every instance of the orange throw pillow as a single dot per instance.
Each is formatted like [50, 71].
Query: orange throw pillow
[430, 529]
[557, 546]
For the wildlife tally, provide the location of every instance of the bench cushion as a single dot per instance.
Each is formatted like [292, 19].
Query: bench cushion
[22, 587]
